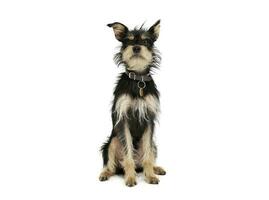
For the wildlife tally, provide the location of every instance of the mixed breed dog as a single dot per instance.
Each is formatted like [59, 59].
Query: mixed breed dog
[130, 147]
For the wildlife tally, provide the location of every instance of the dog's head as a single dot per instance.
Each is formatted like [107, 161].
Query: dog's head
[137, 52]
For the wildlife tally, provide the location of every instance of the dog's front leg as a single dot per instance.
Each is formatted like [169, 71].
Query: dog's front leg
[128, 160]
[148, 159]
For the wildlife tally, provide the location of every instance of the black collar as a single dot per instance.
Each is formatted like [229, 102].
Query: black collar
[137, 77]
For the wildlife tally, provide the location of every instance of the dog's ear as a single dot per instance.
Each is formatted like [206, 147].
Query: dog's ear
[120, 30]
[155, 29]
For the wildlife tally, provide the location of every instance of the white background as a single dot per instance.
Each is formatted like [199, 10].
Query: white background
[56, 81]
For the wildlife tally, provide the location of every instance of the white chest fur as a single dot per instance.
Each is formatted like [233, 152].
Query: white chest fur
[142, 105]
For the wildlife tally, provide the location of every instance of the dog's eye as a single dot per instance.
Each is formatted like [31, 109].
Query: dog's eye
[128, 42]
[147, 42]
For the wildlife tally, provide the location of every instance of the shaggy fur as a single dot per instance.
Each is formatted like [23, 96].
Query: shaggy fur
[130, 147]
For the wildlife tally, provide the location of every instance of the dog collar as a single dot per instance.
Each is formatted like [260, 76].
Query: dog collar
[136, 77]
[141, 80]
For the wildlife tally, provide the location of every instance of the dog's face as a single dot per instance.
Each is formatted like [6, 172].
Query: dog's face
[137, 51]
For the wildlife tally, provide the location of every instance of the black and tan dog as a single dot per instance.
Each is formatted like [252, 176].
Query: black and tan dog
[130, 147]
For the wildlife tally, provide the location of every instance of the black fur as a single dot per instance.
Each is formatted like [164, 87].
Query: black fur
[149, 43]
[129, 86]
[125, 85]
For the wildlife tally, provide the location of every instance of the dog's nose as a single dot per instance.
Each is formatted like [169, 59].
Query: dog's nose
[136, 49]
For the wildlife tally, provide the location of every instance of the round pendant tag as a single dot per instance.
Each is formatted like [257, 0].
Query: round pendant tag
[141, 84]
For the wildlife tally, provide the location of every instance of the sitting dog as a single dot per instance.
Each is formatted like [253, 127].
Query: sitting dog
[130, 147]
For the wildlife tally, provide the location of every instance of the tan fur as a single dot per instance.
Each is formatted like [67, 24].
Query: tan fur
[157, 30]
[105, 174]
[137, 63]
[148, 158]
[128, 161]
[159, 170]
[122, 105]
[153, 104]
[122, 154]
[130, 36]
[119, 158]
[115, 155]
[111, 164]
[144, 36]
[125, 102]
[118, 30]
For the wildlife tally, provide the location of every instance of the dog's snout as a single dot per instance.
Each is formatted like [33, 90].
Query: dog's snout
[136, 49]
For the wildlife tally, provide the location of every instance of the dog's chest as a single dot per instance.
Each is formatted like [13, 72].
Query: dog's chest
[126, 105]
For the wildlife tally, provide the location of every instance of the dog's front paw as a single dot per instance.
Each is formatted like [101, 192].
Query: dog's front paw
[152, 179]
[130, 181]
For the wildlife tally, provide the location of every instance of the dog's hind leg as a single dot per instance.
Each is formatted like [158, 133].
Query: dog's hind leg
[159, 170]
[111, 163]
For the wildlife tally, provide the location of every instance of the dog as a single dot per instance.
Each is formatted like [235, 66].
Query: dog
[130, 147]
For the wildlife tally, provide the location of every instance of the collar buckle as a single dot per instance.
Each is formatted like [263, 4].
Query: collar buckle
[132, 75]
